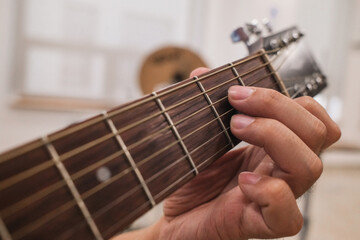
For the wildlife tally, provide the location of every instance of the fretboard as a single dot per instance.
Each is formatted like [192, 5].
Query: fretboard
[92, 179]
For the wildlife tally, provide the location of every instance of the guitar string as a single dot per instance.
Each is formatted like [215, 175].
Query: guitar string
[22, 203]
[46, 191]
[47, 217]
[108, 136]
[119, 224]
[16, 152]
[38, 195]
[59, 184]
[30, 172]
[68, 205]
[138, 209]
[16, 178]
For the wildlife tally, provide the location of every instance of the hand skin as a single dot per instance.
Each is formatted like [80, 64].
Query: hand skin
[251, 192]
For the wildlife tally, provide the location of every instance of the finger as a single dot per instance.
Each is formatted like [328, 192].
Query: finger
[277, 205]
[268, 103]
[199, 71]
[333, 131]
[295, 162]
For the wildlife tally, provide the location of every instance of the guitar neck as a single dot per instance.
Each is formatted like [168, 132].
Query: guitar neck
[92, 179]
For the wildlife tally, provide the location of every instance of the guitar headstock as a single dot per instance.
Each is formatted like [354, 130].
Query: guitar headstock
[289, 55]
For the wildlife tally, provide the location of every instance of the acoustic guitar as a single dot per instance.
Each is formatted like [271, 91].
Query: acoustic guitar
[92, 179]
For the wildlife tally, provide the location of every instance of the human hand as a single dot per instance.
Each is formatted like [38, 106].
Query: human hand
[251, 192]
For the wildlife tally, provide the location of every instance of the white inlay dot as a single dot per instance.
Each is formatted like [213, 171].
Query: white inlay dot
[103, 174]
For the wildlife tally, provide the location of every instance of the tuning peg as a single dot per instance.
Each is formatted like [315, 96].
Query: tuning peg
[266, 22]
[253, 27]
[239, 35]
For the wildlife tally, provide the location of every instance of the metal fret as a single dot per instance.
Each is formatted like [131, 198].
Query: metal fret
[69, 182]
[277, 78]
[182, 144]
[237, 74]
[215, 111]
[4, 233]
[129, 158]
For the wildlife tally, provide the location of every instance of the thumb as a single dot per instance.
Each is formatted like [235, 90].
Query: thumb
[272, 203]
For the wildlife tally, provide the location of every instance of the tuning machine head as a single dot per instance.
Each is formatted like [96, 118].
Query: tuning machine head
[252, 31]
[252, 34]
[309, 86]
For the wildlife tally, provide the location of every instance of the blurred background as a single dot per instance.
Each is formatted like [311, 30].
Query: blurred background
[62, 61]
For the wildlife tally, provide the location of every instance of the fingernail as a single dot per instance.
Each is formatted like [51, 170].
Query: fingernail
[249, 178]
[240, 93]
[240, 121]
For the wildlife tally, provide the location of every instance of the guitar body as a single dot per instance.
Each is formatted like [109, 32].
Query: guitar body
[92, 179]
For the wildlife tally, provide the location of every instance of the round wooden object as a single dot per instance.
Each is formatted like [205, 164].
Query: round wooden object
[167, 66]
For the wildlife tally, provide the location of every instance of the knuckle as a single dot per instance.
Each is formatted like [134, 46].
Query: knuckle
[278, 189]
[320, 131]
[336, 133]
[270, 97]
[308, 102]
[270, 127]
[316, 168]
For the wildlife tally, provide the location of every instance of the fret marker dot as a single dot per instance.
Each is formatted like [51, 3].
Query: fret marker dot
[103, 174]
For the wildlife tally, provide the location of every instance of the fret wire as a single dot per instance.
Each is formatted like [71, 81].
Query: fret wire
[180, 179]
[17, 206]
[108, 136]
[53, 153]
[118, 200]
[270, 74]
[4, 233]
[175, 131]
[214, 111]
[207, 106]
[129, 157]
[123, 197]
[84, 147]
[235, 72]
[189, 83]
[55, 136]
[172, 144]
[22, 204]
[187, 100]
[115, 226]
[249, 85]
[58, 211]
[178, 160]
[186, 136]
[38, 168]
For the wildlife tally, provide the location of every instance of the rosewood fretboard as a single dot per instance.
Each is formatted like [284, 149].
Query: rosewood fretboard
[92, 179]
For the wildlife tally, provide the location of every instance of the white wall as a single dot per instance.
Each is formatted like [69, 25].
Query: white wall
[206, 28]
[6, 30]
